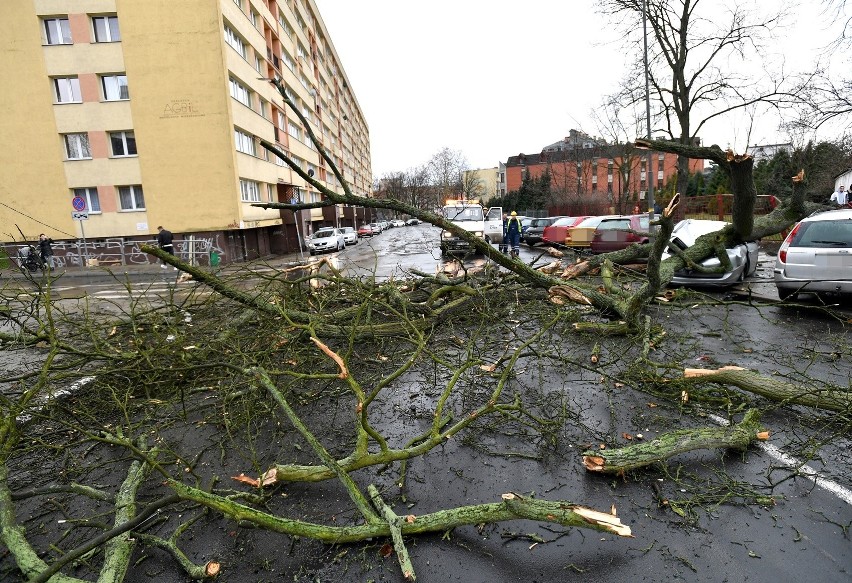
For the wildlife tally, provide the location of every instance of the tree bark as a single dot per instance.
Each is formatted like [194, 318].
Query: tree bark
[618, 461]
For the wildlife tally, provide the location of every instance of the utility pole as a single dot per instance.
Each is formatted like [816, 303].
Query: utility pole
[649, 177]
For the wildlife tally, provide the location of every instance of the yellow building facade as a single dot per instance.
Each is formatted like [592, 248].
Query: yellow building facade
[151, 112]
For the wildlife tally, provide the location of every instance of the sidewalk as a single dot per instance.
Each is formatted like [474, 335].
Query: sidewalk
[148, 270]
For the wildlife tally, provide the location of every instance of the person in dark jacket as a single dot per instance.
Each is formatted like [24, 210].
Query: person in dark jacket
[513, 233]
[45, 250]
[164, 240]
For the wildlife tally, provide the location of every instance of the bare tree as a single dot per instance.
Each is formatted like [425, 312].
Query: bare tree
[692, 48]
[826, 91]
[445, 170]
[417, 185]
[472, 185]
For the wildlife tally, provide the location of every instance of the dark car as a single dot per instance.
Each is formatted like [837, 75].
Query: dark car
[618, 233]
[535, 232]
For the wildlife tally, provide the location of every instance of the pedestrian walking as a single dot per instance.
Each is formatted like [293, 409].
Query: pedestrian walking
[164, 241]
[513, 233]
[45, 250]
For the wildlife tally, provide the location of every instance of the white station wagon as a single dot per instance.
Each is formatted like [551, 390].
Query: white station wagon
[816, 257]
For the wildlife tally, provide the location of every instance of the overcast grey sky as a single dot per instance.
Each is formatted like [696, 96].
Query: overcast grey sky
[494, 78]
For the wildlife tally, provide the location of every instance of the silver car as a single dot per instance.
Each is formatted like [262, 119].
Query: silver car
[743, 257]
[816, 256]
[326, 239]
[350, 236]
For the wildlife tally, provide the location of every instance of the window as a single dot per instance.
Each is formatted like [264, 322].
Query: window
[67, 90]
[123, 143]
[130, 198]
[288, 61]
[294, 130]
[90, 195]
[249, 191]
[240, 93]
[271, 191]
[255, 18]
[245, 142]
[257, 63]
[57, 31]
[77, 147]
[235, 41]
[286, 28]
[106, 29]
[115, 87]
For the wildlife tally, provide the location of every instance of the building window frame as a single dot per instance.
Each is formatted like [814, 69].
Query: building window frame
[126, 142]
[90, 195]
[235, 41]
[115, 87]
[56, 31]
[105, 29]
[245, 142]
[67, 90]
[77, 146]
[240, 92]
[249, 190]
[131, 198]
[294, 130]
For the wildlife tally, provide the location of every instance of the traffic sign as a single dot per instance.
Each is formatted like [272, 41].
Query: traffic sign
[78, 203]
[80, 216]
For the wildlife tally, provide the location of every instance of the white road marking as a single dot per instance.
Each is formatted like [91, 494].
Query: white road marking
[804, 470]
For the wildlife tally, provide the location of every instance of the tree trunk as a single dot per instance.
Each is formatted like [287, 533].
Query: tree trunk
[618, 461]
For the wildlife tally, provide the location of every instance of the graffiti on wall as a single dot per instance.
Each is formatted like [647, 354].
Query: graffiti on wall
[120, 251]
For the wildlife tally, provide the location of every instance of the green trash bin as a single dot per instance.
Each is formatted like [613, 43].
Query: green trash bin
[214, 259]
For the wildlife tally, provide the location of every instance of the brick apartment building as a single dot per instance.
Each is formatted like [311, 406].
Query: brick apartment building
[589, 176]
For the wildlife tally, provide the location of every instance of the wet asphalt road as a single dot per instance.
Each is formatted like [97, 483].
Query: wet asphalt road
[802, 537]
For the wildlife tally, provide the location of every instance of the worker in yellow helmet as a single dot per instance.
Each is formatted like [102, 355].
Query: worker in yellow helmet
[513, 233]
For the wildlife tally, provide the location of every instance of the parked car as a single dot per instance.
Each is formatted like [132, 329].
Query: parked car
[535, 231]
[555, 234]
[743, 257]
[377, 228]
[816, 256]
[616, 233]
[326, 239]
[525, 224]
[580, 235]
[350, 236]
[398, 223]
[412, 222]
[365, 231]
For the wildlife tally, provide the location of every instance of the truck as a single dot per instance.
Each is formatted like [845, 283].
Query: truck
[471, 216]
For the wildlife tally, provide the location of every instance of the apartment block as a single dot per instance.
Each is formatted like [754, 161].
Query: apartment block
[152, 113]
[594, 178]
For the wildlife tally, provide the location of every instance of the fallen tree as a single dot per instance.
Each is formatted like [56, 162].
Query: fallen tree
[640, 455]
